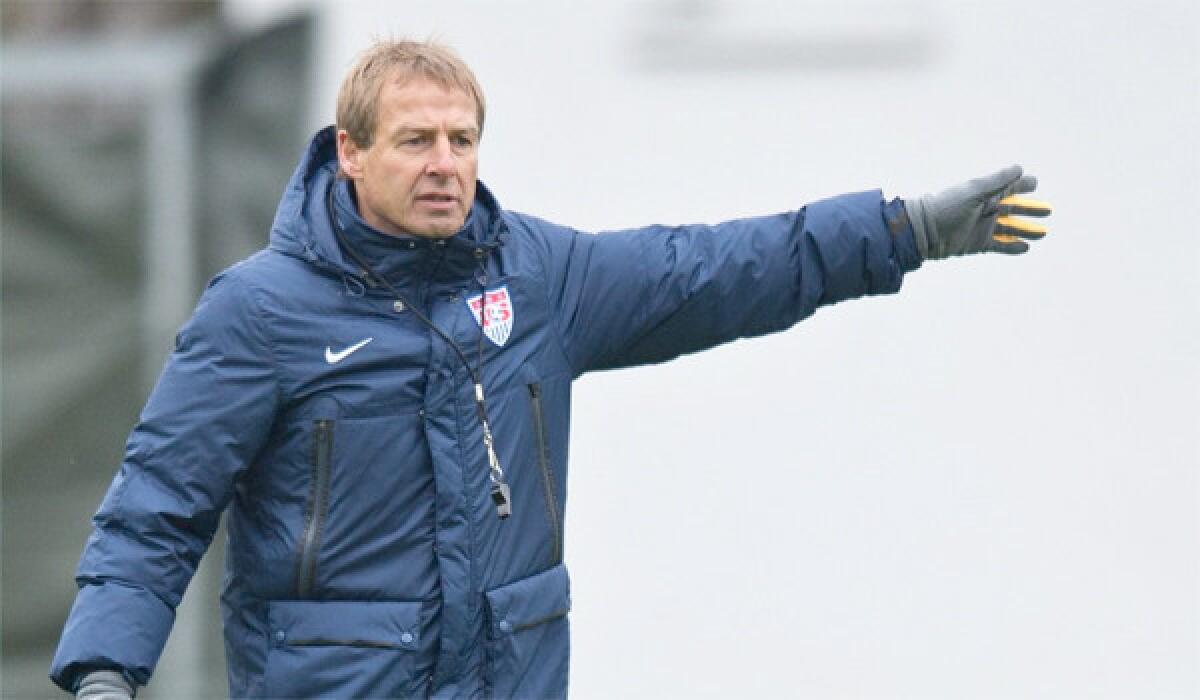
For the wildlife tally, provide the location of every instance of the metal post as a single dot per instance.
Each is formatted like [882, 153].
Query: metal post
[168, 272]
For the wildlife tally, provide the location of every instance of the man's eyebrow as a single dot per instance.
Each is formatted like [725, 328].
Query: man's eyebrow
[422, 129]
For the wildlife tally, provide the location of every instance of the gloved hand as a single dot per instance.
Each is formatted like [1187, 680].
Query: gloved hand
[977, 216]
[104, 685]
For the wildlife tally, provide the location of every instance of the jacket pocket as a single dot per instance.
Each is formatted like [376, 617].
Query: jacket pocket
[318, 503]
[543, 459]
[528, 640]
[342, 649]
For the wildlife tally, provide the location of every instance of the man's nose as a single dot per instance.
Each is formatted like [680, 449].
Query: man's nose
[441, 158]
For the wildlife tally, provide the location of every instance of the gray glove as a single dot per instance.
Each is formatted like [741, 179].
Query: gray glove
[972, 218]
[104, 685]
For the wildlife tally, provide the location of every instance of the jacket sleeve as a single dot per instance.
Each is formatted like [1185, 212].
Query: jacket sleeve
[651, 294]
[203, 424]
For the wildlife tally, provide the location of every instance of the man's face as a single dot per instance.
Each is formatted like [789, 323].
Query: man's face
[418, 176]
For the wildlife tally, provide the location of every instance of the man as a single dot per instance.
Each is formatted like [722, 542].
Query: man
[383, 397]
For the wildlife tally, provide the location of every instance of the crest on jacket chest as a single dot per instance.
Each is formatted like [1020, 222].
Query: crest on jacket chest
[495, 313]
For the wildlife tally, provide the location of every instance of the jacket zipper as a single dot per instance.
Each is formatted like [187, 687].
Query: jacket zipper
[543, 453]
[356, 643]
[318, 501]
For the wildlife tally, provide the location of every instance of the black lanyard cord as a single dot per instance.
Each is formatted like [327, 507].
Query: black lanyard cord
[500, 491]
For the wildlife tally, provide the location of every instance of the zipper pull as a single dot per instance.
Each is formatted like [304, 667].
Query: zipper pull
[481, 275]
[502, 497]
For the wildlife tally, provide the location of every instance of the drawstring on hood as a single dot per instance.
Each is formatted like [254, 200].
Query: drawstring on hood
[354, 286]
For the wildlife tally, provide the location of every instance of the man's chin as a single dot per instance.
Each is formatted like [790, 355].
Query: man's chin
[437, 228]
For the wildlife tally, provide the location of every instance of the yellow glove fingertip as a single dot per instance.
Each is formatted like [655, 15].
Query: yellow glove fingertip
[1026, 205]
[1011, 225]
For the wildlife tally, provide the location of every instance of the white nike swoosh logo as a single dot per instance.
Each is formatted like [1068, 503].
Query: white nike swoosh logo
[335, 357]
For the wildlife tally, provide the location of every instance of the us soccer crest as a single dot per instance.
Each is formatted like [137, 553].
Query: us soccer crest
[497, 320]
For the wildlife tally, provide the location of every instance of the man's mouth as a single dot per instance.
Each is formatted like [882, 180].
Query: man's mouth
[437, 198]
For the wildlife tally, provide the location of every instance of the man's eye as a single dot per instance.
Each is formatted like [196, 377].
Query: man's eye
[464, 141]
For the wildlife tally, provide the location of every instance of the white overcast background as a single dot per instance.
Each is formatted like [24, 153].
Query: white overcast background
[982, 487]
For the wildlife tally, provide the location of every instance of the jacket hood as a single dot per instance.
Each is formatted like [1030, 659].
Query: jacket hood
[303, 225]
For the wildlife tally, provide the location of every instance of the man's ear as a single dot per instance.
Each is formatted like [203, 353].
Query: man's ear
[350, 155]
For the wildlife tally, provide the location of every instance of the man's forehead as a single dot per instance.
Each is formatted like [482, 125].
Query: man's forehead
[415, 86]
[418, 100]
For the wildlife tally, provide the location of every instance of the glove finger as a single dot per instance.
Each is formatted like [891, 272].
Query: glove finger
[1009, 245]
[1009, 226]
[1023, 206]
[1025, 184]
[990, 185]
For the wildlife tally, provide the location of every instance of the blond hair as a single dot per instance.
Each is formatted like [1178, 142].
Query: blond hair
[400, 60]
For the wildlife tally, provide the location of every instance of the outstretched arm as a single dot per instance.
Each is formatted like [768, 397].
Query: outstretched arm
[651, 294]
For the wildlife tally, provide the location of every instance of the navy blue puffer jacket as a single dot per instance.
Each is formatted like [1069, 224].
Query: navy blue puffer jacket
[365, 556]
